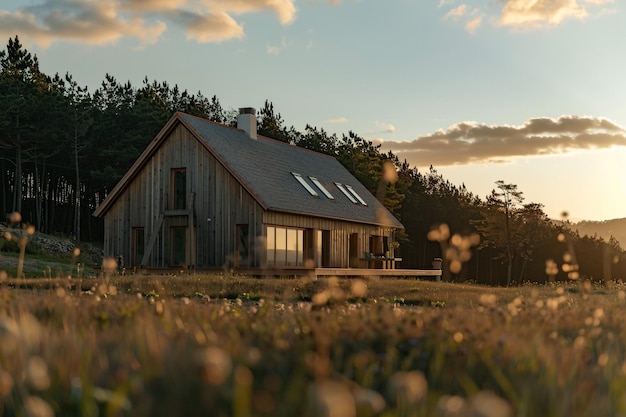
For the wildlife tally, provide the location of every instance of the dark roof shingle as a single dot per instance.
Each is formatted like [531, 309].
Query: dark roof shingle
[265, 167]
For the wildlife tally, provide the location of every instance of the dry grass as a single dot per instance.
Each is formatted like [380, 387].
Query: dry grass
[236, 346]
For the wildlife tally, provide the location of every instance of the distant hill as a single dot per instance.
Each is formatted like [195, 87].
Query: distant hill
[604, 229]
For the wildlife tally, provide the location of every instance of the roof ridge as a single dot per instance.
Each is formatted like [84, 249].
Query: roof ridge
[258, 136]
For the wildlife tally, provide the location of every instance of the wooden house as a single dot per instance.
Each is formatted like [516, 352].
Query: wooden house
[204, 196]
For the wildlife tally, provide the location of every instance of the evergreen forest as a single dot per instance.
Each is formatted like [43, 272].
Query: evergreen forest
[63, 148]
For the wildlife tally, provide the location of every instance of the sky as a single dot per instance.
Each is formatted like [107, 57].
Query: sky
[530, 92]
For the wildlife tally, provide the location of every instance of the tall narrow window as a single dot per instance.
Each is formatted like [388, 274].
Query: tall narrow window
[138, 245]
[322, 188]
[271, 245]
[318, 249]
[281, 246]
[179, 188]
[305, 184]
[243, 245]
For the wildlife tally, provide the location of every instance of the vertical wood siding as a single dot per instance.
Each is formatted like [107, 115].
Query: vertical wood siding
[340, 232]
[220, 204]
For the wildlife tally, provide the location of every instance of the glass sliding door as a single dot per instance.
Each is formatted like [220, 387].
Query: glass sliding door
[285, 246]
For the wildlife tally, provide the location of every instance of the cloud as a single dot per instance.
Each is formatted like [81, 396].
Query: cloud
[443, 3]
[526, 13]
[474, 24]
[472, 17]
[385, 127]
[471, 142]
[337, 120]
[99, 22]
[276, 49]
[457, 11]
[534, 13]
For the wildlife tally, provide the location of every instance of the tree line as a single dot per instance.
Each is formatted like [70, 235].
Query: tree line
[63, 148]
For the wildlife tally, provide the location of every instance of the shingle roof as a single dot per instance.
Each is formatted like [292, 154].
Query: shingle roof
[264, 167]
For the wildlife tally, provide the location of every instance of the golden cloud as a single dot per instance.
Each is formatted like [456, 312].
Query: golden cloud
[471, 142]
[526, 13]
[107, 21]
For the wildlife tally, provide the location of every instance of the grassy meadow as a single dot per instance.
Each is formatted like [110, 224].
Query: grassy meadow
[228, 345]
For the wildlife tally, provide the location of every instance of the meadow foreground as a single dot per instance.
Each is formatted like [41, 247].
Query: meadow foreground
[237, 346]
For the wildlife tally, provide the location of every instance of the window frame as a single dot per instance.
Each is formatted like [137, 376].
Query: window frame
[321, 187]
[175, 190]
[284, 246]
[343, 189]
[355, 194]
[305, 184]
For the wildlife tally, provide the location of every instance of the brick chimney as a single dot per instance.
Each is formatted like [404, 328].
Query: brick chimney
[246, 121]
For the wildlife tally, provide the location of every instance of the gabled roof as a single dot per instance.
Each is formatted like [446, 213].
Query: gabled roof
[265, 169]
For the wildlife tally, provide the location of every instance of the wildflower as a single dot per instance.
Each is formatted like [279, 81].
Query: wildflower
[9, 335]
[37, 407]
[487, 300]
[367, 399]
[15, 217]
[488, 404]
[215, 365]
[37, 376]
[410, 386]
[6, 383]
[359, 288]
[321, 298]
[330, 399]
[452, 406]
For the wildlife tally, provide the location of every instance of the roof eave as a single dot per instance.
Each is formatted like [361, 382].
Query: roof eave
[339, 218]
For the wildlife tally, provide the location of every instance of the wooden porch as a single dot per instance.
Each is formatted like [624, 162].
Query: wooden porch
[299, 272]
[363, 272]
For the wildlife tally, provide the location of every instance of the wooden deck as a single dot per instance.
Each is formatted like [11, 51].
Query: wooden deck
[362, 272]
[304, 272]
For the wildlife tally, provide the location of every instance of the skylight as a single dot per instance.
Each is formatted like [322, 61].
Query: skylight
[322, 188]
[305, 184]
[346, 193]
[355, 194]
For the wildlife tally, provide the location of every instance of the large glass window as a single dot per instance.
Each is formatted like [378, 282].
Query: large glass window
[285, 246]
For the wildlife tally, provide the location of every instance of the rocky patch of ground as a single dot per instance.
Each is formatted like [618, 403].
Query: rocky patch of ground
[67, 257]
